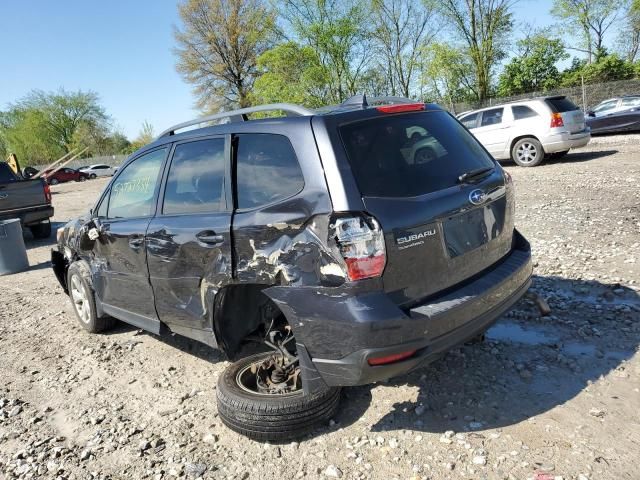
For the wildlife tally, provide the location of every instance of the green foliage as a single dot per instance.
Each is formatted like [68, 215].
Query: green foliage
[218, 47]
[448, 73]
[291, 73]
[484, 27]
[43, 126]
[608, 68]
[337, 33]
[534, 67]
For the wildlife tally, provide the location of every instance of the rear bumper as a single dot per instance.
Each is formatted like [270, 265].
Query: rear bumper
[338, 332]
[566, 141]
[29, 216]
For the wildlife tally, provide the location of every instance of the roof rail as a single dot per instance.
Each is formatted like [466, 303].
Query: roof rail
[240, 115]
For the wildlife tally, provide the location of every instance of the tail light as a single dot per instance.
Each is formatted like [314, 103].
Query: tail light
[47, 192]
[361, 244]
[556, 120]
[396, 357]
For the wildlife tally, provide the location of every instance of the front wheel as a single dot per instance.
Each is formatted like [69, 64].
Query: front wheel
[92, 176]
[53, 181]
[83, 300]
[261, 397]
[527, 152]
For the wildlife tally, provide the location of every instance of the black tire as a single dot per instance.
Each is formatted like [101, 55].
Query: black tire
[53, 181]
[558, 155]
[527, 152]
[41, 230]
[82, 178]
[79, 270]
[92, 176]
[271, 417]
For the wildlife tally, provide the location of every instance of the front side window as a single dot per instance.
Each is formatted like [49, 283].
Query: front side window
[470, 121]
[103, 207]
[196, 178]
[132, 193]
[267, 170]
[492, 117]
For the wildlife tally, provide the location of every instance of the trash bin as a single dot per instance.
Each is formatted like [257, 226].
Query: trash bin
[13, 254]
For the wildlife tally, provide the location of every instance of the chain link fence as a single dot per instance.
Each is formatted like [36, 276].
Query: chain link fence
[587, 96]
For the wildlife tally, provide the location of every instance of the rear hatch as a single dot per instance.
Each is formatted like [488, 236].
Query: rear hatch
[572, 116]
[441, 228]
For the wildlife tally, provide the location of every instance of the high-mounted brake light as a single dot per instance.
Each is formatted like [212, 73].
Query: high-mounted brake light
[396, 357]
[47, 193]
[556, 120]
[361, 244]
[403, 107]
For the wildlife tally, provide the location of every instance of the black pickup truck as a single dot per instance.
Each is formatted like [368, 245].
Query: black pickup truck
[28, 200]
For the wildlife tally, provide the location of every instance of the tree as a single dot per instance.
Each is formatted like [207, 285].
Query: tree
[483, 27]
[589, 19]
[145, 136]
[447, 73]
[606, 69]
[534, 66]
[629, 36]
[291, 73]
[401, 28]
[218, 48]
[336, 31]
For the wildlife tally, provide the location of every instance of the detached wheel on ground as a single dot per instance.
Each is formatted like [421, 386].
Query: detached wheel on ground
[82, 298]
[261, 397]
[41, 230]
[527, 152]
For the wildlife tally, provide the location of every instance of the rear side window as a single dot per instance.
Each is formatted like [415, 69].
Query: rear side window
[631, 102]
[132, 193]
[389, 160]
[196, 178]
[561, 104]
[470, 121]
[492, 117]
[267, 170]
[521, 112]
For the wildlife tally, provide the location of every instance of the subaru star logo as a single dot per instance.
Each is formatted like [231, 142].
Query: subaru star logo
[477, 197]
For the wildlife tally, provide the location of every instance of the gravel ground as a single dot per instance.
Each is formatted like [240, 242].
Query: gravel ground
[553, 396]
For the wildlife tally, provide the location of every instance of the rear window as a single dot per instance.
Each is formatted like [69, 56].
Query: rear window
[561, 104]
[410, 155]
[6, 174]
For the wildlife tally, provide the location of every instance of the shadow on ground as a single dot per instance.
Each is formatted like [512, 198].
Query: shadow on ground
[575, 157]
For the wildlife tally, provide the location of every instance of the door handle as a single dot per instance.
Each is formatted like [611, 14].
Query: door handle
[210, 237]
[136, 242]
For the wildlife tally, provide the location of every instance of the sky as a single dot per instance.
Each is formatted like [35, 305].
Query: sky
[122, 50]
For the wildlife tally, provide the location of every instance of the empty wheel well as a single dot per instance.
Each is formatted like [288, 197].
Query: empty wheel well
[521, 137]
[243, 316]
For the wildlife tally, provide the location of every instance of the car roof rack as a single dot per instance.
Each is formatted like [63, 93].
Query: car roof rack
[241, 115]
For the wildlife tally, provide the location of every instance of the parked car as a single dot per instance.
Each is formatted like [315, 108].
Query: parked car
[318, 238]
[98, 170]
[528, 130]
[64, 175]
[28, 200]
[616, 115]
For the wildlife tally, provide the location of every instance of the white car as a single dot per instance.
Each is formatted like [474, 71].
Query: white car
[527, 130]
[99, 170]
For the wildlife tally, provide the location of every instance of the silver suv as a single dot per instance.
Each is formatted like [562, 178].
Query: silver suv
[527, 130]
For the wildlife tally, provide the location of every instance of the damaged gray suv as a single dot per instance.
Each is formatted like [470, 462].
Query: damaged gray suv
[318, 250]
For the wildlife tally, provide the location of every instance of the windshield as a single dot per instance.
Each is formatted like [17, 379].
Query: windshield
[412, 154]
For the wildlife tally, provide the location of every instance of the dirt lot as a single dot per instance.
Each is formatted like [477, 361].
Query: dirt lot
[544, 397]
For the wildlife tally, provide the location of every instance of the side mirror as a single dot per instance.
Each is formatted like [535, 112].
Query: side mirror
[591, 113]
[89, 233]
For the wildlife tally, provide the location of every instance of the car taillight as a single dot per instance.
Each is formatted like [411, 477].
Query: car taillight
[556, 120]
[396, 357]
[403, 107]
[361, 244]
[47, 193]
